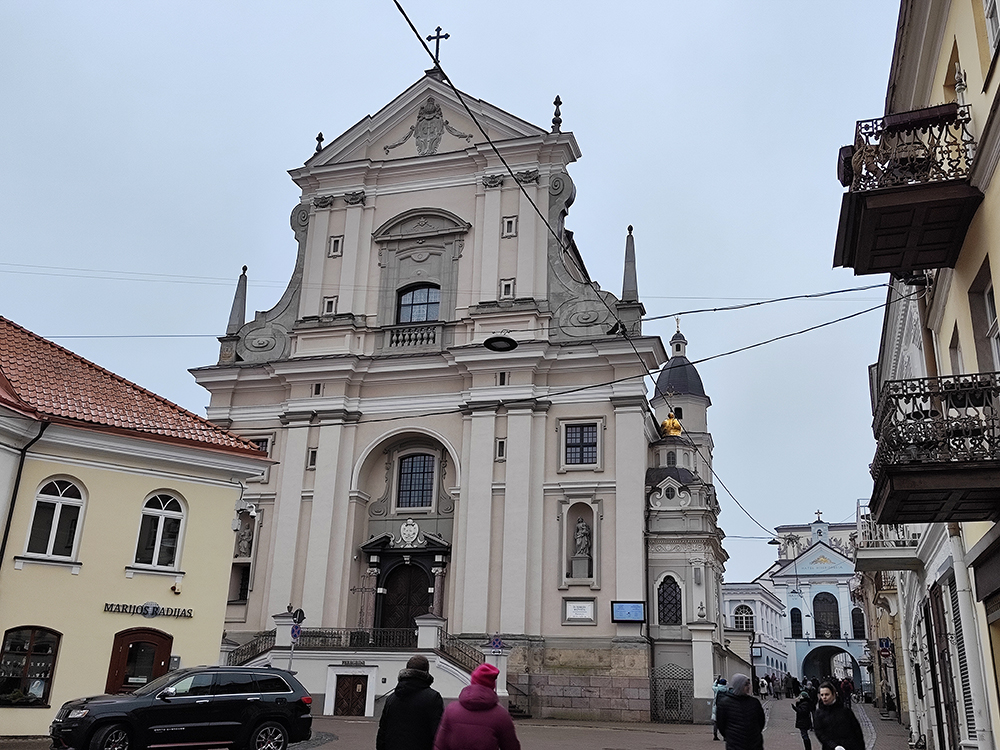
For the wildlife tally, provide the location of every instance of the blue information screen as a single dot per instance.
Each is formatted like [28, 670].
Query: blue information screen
[628, 612]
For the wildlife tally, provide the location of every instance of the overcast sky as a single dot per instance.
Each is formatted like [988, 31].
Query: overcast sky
[144, 149]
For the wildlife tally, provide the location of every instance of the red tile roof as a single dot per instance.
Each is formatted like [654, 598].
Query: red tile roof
[40, 376]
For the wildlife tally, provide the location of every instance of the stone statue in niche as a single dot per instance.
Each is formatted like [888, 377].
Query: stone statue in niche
[244, 541]
[582, 536]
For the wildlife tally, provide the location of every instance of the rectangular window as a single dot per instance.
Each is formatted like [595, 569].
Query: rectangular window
[317, 389]
[992, 22]
[501, 452]
[416, 481]
[992, 332]
[262, 443]
[508, 226]
[581, 443]
[507, 287]
[335, 247]
[503, 378]
[329, 305]
[311, 458]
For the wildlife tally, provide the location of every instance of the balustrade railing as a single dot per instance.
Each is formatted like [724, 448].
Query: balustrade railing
[927, 145]
[407, 336]
[323, 638]
[259, 644]
[872, 535]
[937, 420]
[458, 651]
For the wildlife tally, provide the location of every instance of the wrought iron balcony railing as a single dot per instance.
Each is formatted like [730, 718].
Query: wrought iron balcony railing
[923, 146]
[939, 420]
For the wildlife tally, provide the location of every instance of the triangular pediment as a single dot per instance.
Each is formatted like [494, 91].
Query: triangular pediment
[819, 560]
[425, 120]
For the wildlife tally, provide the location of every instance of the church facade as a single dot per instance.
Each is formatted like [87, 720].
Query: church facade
[461, 427]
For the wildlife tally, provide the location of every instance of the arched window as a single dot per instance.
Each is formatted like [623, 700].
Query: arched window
[55, 521]
[418, 304]
[416, 481]
[159, 532]
[858, 623]
[743, 618]
[28, 657]
[668, 602]
[671, 458]
[796, 616]
[827, 614]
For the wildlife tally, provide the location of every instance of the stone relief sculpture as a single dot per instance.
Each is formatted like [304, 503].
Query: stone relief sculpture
[428, 130]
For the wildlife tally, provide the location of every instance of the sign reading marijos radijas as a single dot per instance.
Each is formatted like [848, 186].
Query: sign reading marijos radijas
[148, 610]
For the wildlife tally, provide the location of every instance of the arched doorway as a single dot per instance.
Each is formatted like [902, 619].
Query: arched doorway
[826, 661]
[407, 595]
[137, 656]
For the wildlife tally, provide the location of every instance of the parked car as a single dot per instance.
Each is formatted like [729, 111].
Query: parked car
[254, 708]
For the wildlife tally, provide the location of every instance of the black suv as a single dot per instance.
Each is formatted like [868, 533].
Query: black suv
[257, 708]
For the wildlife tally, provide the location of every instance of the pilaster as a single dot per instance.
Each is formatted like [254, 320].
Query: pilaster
[286, 519]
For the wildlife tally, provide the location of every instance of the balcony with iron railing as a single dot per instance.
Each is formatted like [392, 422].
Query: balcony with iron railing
[938, 454]
[884, 546]
[910, 201]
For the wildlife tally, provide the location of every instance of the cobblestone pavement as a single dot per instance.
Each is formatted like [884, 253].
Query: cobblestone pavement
[338, 733]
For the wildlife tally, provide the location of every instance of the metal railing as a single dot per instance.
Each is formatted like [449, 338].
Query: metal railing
[518, 701]
[885, 580]
[460, 652]
[937, 420]
[922, 146]
[872, 535]
[259, 644]
[351, 638]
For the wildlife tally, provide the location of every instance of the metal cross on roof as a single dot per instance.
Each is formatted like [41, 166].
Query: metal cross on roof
[436, 37]
[819, 515]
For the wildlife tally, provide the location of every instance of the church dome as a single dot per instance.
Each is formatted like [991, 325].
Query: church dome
[679, 376]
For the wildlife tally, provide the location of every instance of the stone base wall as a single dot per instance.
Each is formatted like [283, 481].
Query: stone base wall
[601, 682]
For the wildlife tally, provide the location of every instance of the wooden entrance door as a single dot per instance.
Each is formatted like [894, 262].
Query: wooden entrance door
[137, 656]
[351, 696]
[407, 596]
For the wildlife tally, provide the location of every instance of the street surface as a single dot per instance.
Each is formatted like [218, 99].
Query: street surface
[341, 733]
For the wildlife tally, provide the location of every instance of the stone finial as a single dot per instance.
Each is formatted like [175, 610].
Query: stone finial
[630, 284]
[238, 314]
[556, 119]
[319, 142]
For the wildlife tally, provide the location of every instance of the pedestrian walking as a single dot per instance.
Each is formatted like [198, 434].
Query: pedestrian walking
[763, 687]
[835, 722]
[740, 717]
[412, 710]
[477, 721]
[846, 689]
[803, 718]
[717, 689]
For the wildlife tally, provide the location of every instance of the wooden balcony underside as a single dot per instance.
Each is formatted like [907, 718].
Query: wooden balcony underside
[937, 492]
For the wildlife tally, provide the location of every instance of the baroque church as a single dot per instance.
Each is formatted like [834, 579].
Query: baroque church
[462, 439]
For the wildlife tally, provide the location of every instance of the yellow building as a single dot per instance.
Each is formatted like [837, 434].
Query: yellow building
[921, 206]
[117, 510]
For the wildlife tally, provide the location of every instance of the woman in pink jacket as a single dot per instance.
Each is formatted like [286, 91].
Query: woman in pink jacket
[477, 721]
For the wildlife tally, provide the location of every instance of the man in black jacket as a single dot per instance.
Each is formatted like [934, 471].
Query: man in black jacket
[412, 710]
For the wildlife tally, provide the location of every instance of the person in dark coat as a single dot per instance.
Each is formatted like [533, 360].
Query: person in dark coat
[477, 721]
[803, 717]
[412, 710]
[835, 723]
[740, 717]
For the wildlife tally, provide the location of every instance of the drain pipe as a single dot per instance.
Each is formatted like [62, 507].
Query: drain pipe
[973, 653]
[17, 486]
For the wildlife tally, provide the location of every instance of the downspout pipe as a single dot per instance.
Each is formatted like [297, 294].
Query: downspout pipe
[17, 487]
[973, 650]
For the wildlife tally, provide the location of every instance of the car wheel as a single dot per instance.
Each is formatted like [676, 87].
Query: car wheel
[111, 737]
[269, 736]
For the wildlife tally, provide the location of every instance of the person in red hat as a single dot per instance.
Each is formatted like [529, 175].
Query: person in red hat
[477, 721]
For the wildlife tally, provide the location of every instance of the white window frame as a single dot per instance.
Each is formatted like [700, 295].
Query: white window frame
[508, 226]
[598, 464]
[312, 457]
[60, 502]
[500, 453]
[422, 450]
[993, 332]
[161, 514]
[330, 305]
[508, 288]
[752, 615]
[335, 246]
[268, 439]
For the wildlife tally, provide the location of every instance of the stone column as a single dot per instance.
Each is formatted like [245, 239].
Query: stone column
[516, 520]
[704, 669]
[427, 631]
[437, 606]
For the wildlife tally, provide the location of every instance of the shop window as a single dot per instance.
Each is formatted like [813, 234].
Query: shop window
[796, 616]
[743, 618]
[668, 602]
[159, 532]
[416, 481]
[27, 665]
[419, 305]
[56, 520]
